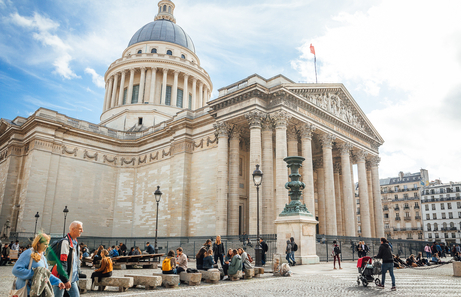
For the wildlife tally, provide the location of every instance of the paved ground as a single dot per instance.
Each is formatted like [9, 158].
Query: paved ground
[313, 280]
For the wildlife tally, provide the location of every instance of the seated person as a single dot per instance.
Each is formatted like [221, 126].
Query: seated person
[84, 250]
[398, 263]
[436, 258]
[411, 261]
[199, 258]
[105, 270]
[235, 264]
[181, 261]
[113, 252]
[420, 259]
[208, 261]
[131, 252]
[169, 263]
[97, 255]
[149, 248]
[227, 260]
[245, 260]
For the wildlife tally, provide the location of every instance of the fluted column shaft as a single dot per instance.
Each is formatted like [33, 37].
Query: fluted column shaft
[379, 221]
[185, 95]
[339, 212]
[307, 169]
[370, 201]
[141, 85]
[130, 87]
[205, 96]
[321, 196]
[153, 80]
[106, 95]
[122, 88]
[281, 177]
[200, 93]
[113, 102]
[268, 213]
[164, 81]
[194, 94]
[174, 92]
[353, 195]
[222, 178]
[363, 194]
[343, 205]
[234, 197]
[348, 192]
[330, 203]
[292, 141]
[109, 92]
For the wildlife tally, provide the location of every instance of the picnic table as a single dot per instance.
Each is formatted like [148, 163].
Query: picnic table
[144, 260]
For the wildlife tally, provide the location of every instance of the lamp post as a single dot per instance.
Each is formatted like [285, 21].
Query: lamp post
[257, 179]
[65, 211]
[158, 196]
[36, 220]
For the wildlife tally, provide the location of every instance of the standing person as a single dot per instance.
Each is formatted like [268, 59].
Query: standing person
[105, 270]
[385, 254]
[36, 256]
[244, 238]
[264, 248]
[122, 249]
[169, 263]
[218, 250]
[5, 254]
[149, 248]
[294, 248]
[360, 249]
[336, 255]
[288, 253]
[181, 261]
[365, 249]
[428, 251]
[68, 253]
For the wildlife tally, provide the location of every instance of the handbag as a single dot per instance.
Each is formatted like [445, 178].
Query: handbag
[23, 291]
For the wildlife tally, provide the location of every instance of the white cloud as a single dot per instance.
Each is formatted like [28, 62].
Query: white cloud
[399, 47]
[97, 79]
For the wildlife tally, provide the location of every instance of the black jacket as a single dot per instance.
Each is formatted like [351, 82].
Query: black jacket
[218, 249]
[385, 253]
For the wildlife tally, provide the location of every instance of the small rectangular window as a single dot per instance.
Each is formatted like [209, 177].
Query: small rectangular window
[168, 95]
[179, 99]
[427, 207]
[433, 206]
[190, 101]
[434, 216]
[134, 97]
[428, 216]
[139, 121]
[450, 215]
[125, 91]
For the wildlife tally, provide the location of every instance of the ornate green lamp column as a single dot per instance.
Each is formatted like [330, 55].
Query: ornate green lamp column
[295, 187]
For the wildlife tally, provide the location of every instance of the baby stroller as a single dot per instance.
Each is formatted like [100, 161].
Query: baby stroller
[367, 270]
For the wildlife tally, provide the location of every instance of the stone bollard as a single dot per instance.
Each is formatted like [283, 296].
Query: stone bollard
[192, 279]
[149, 282]
[456, 268]
[211, 276]
[169, 280]
[84, 284]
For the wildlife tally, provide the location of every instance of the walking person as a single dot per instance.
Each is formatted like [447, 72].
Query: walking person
[428, 251]
[360, 249]
[105, 270]
[288, 253]
[264, 248]
[385, 254]
[68, 253]
[5, 254]
[294, 248]
[218, 251]
[336, 255]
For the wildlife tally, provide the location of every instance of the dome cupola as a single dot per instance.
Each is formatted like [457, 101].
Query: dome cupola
[165, 11]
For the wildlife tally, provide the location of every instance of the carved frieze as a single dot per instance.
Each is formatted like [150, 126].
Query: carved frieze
[86, 155]
[131, 161]
[142, 161]
[152, 158]
[73, 152]
[106, 159]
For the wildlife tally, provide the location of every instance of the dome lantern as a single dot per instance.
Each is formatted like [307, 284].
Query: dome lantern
[165, 11]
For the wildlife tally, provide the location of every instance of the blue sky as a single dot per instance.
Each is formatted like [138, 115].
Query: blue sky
[400, 60]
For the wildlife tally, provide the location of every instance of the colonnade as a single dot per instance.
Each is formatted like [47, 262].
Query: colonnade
[334, 186]
[149, 79]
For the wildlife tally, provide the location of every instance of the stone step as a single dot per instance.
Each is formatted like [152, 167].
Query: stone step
[149, 282]
[169, 280]
[123, 283]
[192, 279]
[236, 277]
[249, 273]
[211, 276]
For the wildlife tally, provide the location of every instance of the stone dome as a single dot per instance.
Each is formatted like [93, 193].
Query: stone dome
[163, 30]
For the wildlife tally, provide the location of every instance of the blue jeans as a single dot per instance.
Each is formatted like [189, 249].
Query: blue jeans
[292, 256]
[384, 269]
[73, 291]
[428, 255]
[288, 257]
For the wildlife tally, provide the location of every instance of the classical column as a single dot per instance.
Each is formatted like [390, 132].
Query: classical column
[194, 94]
[347, 190]
[351, 162]
[292, 135]
[330, 204]
[338, 198]
[174, 92]
[141, 85]
[254, 119]
[165, 75]
[268, 213]
[205, 95]
[122, 88]
[370, 199]
[363, 194]
[200, 93]
[185, 95]
[234, 197]
[109, 92]
[106, 94]
[153, 81]
[318, 163]
[307, 169]
[379, 223]
[343, 205]
[222, 178]
[129, 95]
[281, 177]
[113, 102]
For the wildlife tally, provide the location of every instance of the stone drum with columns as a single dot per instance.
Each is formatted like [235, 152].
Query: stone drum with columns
[159, 128]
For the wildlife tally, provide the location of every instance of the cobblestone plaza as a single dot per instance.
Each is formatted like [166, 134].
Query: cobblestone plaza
[307, 280]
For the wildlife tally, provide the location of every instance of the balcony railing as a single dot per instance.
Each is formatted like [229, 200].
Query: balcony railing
[417, 217]
[397, 218]
[407, 218]
[453, 228]
[444, 229]
[416, 206]
[396, 208]
[406, 207]
[385, 208]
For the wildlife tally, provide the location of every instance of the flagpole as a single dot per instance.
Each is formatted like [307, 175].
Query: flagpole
[315, 65]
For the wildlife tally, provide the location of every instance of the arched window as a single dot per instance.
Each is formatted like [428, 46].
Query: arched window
[164, 7]
[140, 52]
[169, 9]
[183, 57]
[168, 52]
[444, 225]
[154, 50]
[436, 227]
[452, 225]
[428, 227]
[159, 10]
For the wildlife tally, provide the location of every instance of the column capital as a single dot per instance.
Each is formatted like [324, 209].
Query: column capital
[185, 75]
[143, 68]
[267, 123]
[374, 161]
[165, 70]
[345, 148]
[123, 71]
[194, 79]
[360, 156]
[132, 69]
[116, 75]
[327, 140]
[222, 129]
[318, 163]
[292, 133]
[280, 118]
[337, 167]
[176, 72]
[306, 131]
[235, 132]
[153, 69]
[254, 118]
[368, 165]
[200, 83]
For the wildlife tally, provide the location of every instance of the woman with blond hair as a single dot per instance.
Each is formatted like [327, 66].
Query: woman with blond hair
[105, 270]
[31, 259]
[218, 250]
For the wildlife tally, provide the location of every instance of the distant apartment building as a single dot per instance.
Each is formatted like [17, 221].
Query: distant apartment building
[402, 204]
[442, 212]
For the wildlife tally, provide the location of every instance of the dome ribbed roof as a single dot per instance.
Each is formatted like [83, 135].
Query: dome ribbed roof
[163, 30]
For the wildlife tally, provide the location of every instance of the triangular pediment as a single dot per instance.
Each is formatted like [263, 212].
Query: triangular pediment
[336, 101]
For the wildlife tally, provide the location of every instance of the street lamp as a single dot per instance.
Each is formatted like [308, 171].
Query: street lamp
[257, 179]
[65, 211]
[158, 196]
[36, 220]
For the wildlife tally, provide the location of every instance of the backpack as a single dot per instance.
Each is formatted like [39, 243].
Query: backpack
[295, 247]
[250, 258]
[166, 264]
[53, 251]
[337, 250]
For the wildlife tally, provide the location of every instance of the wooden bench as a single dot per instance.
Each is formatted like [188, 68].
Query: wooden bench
[84, 284]
[249, 273]
[149, 282]
[236, 277]
[192, 279]
[211, 276]
[169, 280]
[123, 283]
[259, 271]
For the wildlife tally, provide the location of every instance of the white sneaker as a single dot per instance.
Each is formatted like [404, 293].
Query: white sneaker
[225, 277]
